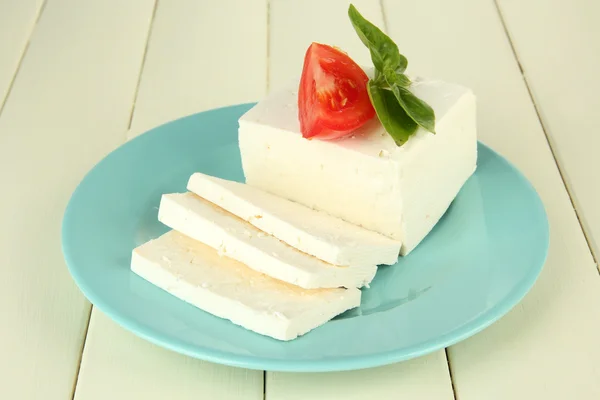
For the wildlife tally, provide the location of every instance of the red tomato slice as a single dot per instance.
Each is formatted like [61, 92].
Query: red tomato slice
[332, 98]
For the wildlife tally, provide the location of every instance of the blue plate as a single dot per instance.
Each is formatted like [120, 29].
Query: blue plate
[477, 263]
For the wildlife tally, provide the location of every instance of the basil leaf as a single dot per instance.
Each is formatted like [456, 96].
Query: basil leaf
[391, 115]
[419, 111]
[384, 52]
[393, 78]
[399, 111]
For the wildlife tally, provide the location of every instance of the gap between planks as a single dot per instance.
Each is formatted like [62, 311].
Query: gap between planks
[268, 85]
[143, 63]
[137, 87]
[14, 77]
[268, 71]
[548, 140]
[451, 375]
[85, 335]
[454, 394]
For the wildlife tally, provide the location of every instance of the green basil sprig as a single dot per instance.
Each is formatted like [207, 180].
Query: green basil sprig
[399, 111]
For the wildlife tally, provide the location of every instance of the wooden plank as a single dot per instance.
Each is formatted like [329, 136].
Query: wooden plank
[426, 378]
[547, 347]
[202, 57]
[422, 378]
[557, 43]
[18, 21]
[184, 73]
[68, 107]
[295, 25]
[119, 365]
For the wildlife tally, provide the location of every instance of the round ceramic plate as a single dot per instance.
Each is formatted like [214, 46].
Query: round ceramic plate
[477, 263]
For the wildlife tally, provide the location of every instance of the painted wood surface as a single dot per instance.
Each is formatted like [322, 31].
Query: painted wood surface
[555, 39]
[69, 105]
[117, 365]
[18, 21]
[79, 77]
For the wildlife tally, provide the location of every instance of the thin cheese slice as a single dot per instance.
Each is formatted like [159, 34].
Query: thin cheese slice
[197, 274]
[231, 236]
[314, 232]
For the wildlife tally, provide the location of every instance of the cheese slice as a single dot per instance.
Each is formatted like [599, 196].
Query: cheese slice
[314, 232]
[365, 178]
[198, 275]
[238, 239]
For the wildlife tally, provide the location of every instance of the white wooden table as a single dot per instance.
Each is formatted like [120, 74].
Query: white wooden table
[78, 78]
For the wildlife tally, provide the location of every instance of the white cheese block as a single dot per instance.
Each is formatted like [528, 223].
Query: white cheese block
[314, 232]
[238, 239]
[196, 274]
[366, 179]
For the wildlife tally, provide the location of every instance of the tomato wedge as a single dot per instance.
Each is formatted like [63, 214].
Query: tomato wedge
[332, 98]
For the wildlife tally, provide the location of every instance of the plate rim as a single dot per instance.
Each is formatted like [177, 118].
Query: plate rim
[341, 363]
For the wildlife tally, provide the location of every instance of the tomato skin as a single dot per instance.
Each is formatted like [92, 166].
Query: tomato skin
[332, 98]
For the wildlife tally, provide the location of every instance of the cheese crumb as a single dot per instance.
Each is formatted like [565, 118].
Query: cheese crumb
[222, 250]
[257, 216]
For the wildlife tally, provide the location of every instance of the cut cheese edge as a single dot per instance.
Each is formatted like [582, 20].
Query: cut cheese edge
[314, 232]
[235, 238]
[198, 275]
[365, 178]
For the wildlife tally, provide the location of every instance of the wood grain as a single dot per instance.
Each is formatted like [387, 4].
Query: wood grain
[68, 107]
[193, 63]
[558, 45]
[547, 346]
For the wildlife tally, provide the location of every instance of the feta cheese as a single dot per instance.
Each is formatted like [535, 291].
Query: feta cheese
[238, 239]
[228, 289]
[400, 192]
[314, 232]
